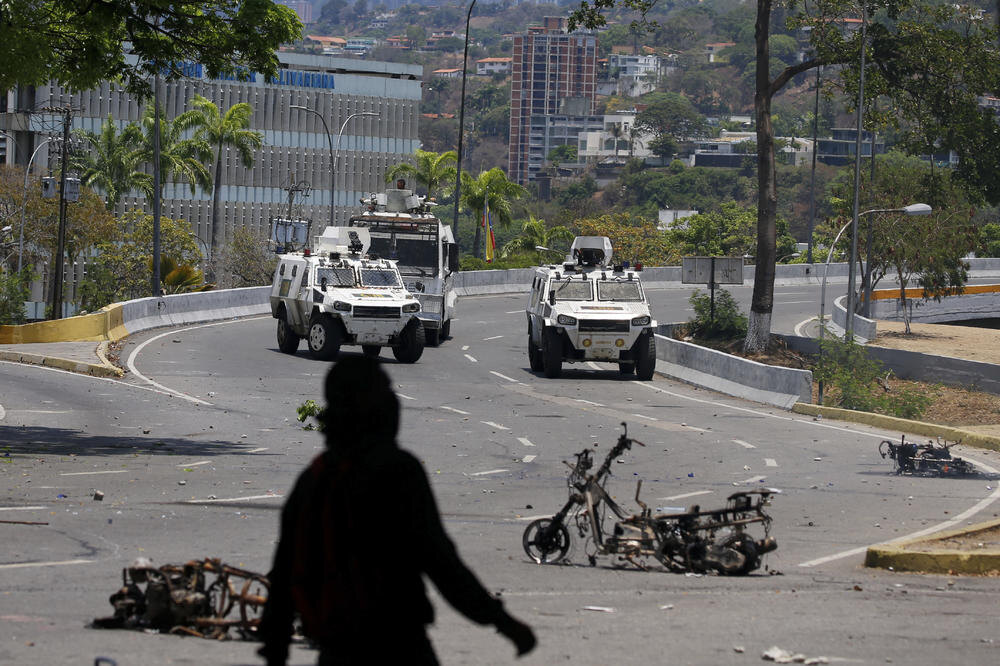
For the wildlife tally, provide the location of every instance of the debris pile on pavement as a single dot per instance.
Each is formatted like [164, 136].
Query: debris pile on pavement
[924, 459]
[203, 598]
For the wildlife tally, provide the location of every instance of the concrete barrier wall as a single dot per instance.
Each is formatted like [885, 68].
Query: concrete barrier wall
[865, 329]
[979, 302]
[178, 309]
[920, 367]
[82, 328]
[729, 374]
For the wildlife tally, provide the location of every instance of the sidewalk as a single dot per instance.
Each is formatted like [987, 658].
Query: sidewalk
[89, 358]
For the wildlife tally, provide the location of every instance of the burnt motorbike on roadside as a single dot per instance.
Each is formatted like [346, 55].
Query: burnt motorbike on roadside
[693, 541]
[928, 459]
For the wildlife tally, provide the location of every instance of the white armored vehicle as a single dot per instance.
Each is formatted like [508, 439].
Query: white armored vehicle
[337, 295]
[402, 228]
[588, 309]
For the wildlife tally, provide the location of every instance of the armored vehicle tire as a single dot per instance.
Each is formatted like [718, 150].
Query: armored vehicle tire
[534, 354]
[432, 336]
[445, 329]
[411, 343]
[371, 351]
[288, 341]
[324, 337]
[645, 357]
[626, 368]
[551, 353]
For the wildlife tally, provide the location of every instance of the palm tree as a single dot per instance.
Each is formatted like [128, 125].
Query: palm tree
[534, 234]
[617, 131]
[491, 186]
[178, 156]
[114, 161]
[434, 171]
[221, 131]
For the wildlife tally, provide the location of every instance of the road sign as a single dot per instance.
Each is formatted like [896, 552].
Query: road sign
[698, 270]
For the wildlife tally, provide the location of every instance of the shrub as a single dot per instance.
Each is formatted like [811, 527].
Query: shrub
[14, 291]
[728, 321]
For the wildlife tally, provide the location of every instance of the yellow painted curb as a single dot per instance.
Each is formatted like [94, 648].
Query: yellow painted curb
[901, 556]
[93, 369]
[967, 437]
[106, 324]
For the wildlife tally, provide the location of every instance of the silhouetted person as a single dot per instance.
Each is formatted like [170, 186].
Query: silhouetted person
[358, 531]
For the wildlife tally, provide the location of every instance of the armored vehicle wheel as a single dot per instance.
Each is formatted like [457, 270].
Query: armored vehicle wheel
[626, 368]
[534, 354]
[432, 336]
[551, 353]
[445, 329]
[744, 545]
[645, 357]
[288, 341]
[371, 351]
[324, 337]
[411, 343]
[545, 541]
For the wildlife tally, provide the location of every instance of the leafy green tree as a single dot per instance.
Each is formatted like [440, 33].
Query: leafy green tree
[247, 260]
[81, 44]
[231, 130]
[493, 187]
[121, 270]
[180, 278]
[988, 243]
[14, 292]
[633, 238]
[564, 153]
[534, 234]
[670, 114]
[434, 172]
[113, 162]
[729, 231]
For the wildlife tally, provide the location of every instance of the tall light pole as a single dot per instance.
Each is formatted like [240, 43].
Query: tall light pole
[329, 140]
[340, 134]
[461, 124]
[857, 182]
[24, 204]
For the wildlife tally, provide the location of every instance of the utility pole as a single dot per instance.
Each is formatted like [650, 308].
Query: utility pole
[156, 185]
[57, 273]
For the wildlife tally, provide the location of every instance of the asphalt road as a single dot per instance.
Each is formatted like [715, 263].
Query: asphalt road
[194, 449]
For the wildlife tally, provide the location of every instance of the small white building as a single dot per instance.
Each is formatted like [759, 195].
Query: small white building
[487, 66]
[455, 73]
[667, 217]
[604, 145]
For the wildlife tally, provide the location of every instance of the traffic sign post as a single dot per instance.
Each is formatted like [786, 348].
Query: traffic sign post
[712, 271]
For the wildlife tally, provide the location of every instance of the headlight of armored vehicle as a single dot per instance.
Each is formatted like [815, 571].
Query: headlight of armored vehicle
[341, 306]
[566, 320]
[411, 307]
[641, 321]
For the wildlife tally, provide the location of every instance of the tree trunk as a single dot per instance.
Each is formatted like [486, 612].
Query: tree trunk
[216, 227]
[759, 323]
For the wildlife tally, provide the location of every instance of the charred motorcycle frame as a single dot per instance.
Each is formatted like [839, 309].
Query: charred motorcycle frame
[695, 540]
[928, 459]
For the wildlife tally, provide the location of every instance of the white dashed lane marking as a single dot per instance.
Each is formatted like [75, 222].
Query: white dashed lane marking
[405, 397]
[195, 464]
[489, 471]
[495, 337]
[59, 563]
[23, 508]
[501, 376]
[694, 494]
[528, 459]
[452, 409]
[745, 445]
[471, 358]
[643, 416]
[588, 402]
[106, 471]
[525, 441]
[257, 450]
[215, 500]
[770, 462]
[753, 479]
[495, 425]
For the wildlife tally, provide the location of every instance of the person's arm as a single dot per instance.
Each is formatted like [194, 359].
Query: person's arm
[456, 582]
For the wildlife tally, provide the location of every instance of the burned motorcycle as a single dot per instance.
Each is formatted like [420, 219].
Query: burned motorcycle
[924, 459]
[695, 540]
[202, 598]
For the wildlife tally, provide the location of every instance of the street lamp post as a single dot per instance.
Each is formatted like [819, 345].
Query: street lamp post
[329, 140]
[461, 124]
[340, 134]
[857, 182]
[24, 204]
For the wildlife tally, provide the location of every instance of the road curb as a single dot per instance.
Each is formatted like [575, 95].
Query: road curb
[899, 556]
[967, 437]
[92, 369]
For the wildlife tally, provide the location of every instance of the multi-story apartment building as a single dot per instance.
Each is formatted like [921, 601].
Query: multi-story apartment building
[296, 147]
[549, 66]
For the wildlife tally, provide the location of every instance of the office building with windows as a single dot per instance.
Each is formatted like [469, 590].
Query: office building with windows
[549, 67]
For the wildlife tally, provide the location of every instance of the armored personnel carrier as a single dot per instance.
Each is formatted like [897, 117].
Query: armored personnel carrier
[335, 294]
[590, 309]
